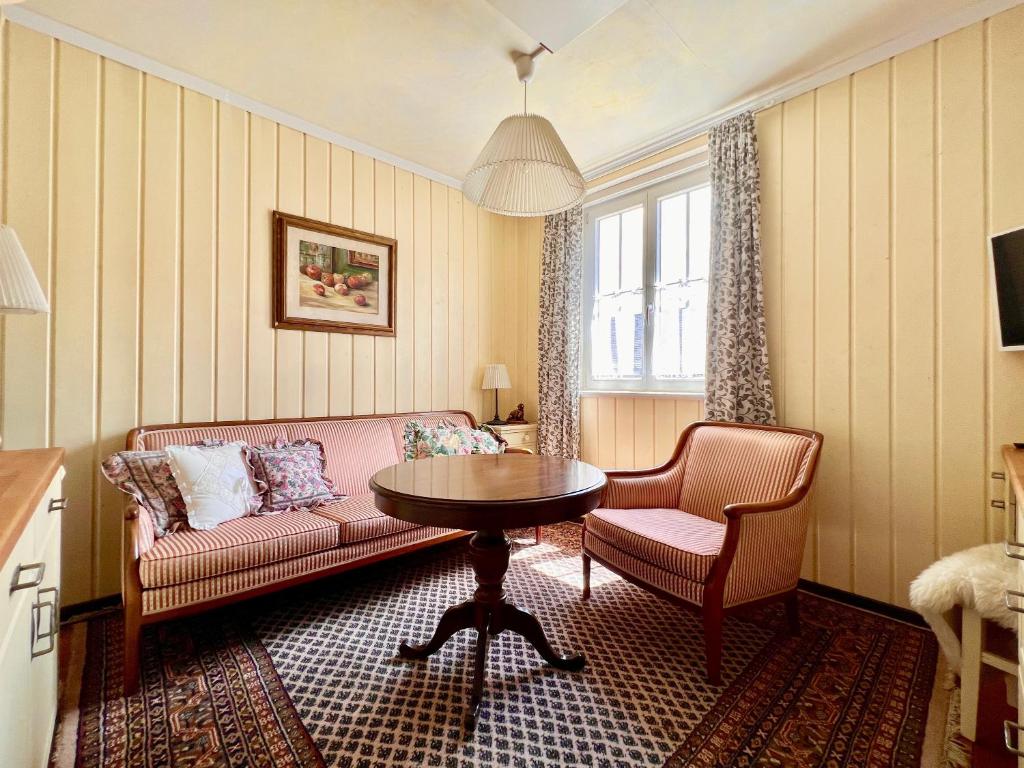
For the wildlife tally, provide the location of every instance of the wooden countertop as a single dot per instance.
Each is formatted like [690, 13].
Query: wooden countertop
[1014, 460]
[24, 477]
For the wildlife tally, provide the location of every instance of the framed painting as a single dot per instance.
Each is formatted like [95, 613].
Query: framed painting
[331, 278]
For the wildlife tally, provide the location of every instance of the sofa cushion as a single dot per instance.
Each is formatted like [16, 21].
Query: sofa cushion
[672, 540]
[360, 520]
[355, 448]
[236, 545]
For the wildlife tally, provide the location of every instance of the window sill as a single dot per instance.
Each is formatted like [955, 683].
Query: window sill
[639, 393]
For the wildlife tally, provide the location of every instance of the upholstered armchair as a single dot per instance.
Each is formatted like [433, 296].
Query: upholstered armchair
[720, 526]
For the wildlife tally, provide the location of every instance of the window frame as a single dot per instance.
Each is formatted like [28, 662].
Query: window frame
[648, 198]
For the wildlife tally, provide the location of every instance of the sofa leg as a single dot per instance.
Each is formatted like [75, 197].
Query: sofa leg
[536, 535]
[793, 613]
[132, 636]
[713, 643]
[586, 576]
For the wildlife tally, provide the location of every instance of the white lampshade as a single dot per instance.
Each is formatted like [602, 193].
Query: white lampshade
[524, 170]
[19, 288]
[496, 377]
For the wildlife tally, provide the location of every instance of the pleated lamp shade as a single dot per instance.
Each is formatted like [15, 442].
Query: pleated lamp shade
[19, 288]
[496, 377]
[524, 170]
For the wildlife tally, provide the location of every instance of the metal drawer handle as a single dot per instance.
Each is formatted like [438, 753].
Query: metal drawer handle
[17, 583]
[1008, 546]
[58, 505]
[1008, 729]
[1009, 604]
[37, 614]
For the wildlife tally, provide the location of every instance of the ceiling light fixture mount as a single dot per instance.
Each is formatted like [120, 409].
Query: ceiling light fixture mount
[525, 169]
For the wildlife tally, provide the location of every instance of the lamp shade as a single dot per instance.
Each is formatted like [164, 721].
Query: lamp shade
[19, 288]
[496, 377]
[524, 170]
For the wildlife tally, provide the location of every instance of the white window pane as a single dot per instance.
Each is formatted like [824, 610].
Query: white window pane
[617, 333]
[632, 249]
[608, 254]
[700, 232]
[680, 328]
[672, 238]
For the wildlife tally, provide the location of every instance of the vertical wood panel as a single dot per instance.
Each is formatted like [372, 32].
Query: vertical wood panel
[421, 293]
[624, 435]
[404, 311]
[232, 269]
[643, 428]
[262, 200]
[589, 431]
[834, 528]
[456, 301]
[486, 351]
[438, 295]
[870, 457]
[288, 366]
[384, 347]
[472, 397]
[665, 434]
[74, 308]
[118, 301]
[198, 251]
[161, 271]
[362, 345]
[606, 433]
[913, 316]
[962, 276]
[315, 348]
[26, 200]
[340, 344]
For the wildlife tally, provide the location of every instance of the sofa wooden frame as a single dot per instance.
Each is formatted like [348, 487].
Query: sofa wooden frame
[135, 619]
[711, 608]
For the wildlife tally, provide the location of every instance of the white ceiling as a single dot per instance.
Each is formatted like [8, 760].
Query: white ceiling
[428, 80]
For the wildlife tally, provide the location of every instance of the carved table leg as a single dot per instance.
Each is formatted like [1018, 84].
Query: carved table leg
[489, 614]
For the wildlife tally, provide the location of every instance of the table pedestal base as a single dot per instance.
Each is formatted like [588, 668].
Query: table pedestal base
[489, 613]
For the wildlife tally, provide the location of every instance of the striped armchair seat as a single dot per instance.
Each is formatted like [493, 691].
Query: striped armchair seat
[191, 571]
[720, 526]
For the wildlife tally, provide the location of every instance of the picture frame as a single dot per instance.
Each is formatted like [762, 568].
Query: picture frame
[331, 278]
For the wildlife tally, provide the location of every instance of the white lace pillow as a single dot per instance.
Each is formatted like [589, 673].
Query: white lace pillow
[216, 483]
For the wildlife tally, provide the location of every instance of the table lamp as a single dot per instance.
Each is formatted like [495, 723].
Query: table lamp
[496, 377]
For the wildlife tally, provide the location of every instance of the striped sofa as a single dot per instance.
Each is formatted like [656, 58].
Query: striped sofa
[192, 571]
[720, 526]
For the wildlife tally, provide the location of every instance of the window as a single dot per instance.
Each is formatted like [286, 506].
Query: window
[645, 289]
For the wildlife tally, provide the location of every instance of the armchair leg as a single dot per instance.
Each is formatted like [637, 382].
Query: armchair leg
[793, 613]
[586, 576]
[713, 643]
[536, 535]
[132, 638]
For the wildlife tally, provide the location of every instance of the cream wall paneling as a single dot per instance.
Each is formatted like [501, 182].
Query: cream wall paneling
[145, 210]
[878, 194]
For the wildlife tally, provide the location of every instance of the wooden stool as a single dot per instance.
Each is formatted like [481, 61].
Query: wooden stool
[973, 655]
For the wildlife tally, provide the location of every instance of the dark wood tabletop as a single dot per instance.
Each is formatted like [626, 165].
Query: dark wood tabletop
[492, 492]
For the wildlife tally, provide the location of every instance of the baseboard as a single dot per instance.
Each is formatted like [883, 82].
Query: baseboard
[865, 603]
[90, 609]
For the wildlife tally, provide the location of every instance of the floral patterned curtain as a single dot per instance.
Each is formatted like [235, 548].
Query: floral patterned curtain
[558, 423]
[738, 382]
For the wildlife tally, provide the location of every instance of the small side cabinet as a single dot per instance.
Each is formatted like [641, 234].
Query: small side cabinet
[31, 507]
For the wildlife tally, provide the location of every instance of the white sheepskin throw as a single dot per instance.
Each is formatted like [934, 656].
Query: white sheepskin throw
[974, 578]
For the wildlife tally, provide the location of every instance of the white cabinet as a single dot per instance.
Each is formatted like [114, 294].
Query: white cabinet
[29, 617]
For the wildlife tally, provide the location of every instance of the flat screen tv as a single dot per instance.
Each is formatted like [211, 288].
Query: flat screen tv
[1008, 268]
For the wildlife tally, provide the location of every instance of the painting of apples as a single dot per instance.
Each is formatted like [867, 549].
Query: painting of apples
[332, 278]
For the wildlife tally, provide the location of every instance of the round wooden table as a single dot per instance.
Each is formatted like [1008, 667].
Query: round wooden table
[488, 494]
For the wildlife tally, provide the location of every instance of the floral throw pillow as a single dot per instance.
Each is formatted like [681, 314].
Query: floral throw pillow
[448, 439]
[146, 476]
[293, 474]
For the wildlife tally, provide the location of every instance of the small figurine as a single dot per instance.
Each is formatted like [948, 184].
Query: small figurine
[518, 416]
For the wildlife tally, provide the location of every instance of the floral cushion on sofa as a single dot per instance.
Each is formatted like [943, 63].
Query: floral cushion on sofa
[146, 476]
[448, 439]
[294, 475]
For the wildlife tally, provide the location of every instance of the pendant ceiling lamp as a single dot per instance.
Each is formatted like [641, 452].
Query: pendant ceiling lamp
[525, 169]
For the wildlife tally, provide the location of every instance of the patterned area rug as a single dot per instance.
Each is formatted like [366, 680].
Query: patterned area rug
[852, 689]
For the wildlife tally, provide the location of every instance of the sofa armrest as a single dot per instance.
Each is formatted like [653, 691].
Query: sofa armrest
[140, 533]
